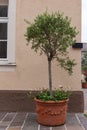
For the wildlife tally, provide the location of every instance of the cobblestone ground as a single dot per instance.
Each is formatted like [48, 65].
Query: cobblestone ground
[27, 121]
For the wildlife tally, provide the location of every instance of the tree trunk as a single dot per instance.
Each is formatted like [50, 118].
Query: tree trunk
[50, 77]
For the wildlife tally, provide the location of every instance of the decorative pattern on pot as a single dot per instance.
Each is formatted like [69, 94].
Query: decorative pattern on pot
[51, 112]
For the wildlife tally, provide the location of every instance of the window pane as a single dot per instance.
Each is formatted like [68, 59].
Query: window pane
[3, 31]
[3, 11]
[3, 49]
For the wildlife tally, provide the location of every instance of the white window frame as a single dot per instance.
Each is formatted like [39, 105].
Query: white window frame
[11, 20]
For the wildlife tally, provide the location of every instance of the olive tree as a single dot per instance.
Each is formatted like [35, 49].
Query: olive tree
[52, 34]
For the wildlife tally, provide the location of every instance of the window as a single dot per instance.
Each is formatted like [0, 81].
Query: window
[7, 31]
[3, 30]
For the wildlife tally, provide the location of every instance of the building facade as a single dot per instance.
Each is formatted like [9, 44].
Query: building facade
[20, 67]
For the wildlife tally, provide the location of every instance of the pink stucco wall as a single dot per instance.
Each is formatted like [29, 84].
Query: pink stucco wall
[31, 69]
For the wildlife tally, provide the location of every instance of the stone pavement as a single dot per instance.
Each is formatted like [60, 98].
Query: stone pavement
[27, 121]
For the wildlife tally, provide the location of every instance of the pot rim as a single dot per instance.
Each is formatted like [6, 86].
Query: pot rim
[50, 101]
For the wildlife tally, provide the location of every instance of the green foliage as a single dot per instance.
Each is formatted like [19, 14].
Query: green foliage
[84, 78]
[57, 95]
[85, 114]
[67, 64]
[84, 62]
[44, 95]
[62, 95]
[52, 34]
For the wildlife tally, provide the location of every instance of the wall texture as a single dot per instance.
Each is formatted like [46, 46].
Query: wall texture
[31, 71]
[11, 101]
[3, 1]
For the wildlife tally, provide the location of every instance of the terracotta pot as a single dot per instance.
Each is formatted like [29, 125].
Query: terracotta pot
[84, 85]
[51, 113]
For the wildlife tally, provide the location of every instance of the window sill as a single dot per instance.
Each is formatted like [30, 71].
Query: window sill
[7, 64]
[7, 67]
